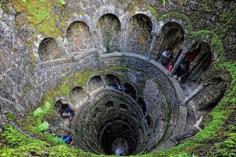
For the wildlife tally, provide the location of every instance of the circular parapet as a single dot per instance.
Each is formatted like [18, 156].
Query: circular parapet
[137, 108]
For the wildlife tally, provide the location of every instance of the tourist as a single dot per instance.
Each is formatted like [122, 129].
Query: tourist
[119, 151]
[67, 138]
[67, 112]
[182, 71]
[165, 59]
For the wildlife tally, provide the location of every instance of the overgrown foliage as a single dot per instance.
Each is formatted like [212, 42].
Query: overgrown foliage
[18, 144]
[41, 15]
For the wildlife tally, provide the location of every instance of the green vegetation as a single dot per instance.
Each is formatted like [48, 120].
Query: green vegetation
[216, 139]
[19, 144]
[214, 41]
[59, 1]
[41, 16]
[152, 10]
[178, 16]
[10, 116]
[42, 127]
[3, 5]
[41, 111]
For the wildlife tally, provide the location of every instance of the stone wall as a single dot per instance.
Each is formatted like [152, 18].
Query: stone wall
[25, 75]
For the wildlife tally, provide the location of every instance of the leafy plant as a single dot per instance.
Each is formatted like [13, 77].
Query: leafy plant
[42, 127]
[42, 111]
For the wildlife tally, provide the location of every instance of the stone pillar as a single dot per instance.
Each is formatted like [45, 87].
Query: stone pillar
[195, 92]
[153, 43]
[179, 60]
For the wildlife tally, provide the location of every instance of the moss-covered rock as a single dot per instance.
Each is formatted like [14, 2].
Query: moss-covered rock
[42, 17]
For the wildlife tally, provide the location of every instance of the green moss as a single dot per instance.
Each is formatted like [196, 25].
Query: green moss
[219, 116]
[3, 5]
[18, 144]
[10, 116]
[78, 79]
[227, 21]
[153, 10]
[176, 15]
[41, 16]
[63, 151]
[215, 42]
[205, 6]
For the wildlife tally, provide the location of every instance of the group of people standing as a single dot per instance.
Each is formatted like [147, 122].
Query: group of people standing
[67, 114]
[168, 57]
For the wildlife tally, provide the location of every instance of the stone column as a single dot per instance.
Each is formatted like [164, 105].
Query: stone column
[194, 93]
[179, 60]
[153, 43]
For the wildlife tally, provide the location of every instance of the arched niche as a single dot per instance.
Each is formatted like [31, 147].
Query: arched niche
[123, 106]
[199, 59]
[211, 95]
[94, 83]
[113, 81]
[79, 36]
[62, 105]
[172, 36]
[109, 28]
[109, 105]
[130, 90]
[48, 50]
[78, 96]
[139, 34]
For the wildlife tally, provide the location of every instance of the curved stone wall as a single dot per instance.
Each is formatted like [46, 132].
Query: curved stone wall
[156, 103]
[144, 108]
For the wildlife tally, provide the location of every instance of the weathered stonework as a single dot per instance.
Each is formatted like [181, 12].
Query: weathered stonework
[36, 56]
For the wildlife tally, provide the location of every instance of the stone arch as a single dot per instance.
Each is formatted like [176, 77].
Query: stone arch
[177, 17]
[171, 37]
[199, 59]
[83, 18]
[212, 39]
[210, 96]
[94, 83]
[109, 105]
[113, 81]
[48, 49]
[130, 90]
[61, 105]
[109, 28]
[79, 36]
[78, 96]
[139, 34]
